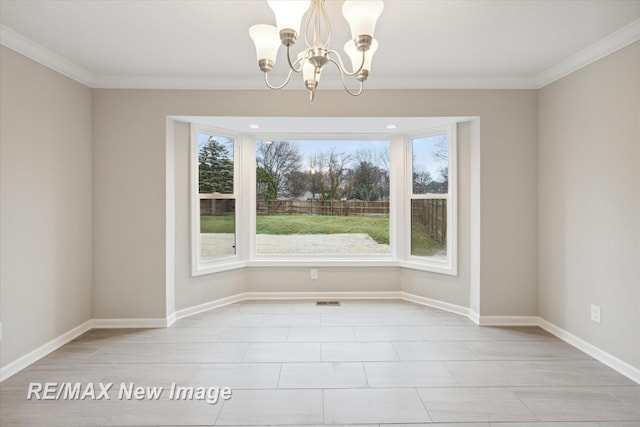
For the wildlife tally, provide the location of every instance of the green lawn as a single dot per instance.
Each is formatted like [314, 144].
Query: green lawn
[423, 245]
[374, 226]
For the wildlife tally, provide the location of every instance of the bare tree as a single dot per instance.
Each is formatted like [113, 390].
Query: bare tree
[280, 159]
[331, 169]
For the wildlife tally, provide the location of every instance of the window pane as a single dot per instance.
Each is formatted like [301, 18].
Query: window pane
[322, 197]
[429, 228]
[215, 160]
[431, 164]
[217, 228]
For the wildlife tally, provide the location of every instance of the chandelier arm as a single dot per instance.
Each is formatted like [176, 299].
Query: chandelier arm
[292, 65]
[344, 84]
[341, 66]
[308, 23]
[327, 23]
[270, 86]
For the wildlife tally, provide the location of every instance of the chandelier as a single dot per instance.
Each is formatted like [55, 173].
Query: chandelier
[361, 16]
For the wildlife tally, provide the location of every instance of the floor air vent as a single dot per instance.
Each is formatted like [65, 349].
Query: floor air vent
[332, 303]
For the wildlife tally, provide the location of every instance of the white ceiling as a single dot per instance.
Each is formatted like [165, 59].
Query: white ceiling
[423, 44]
[353, 127]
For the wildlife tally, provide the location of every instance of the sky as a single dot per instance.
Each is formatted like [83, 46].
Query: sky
[310, 147]
[424, 149]
[424, 158]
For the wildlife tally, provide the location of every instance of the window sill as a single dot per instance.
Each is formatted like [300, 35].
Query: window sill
[323, 262]
[432, 267]
[218, 267]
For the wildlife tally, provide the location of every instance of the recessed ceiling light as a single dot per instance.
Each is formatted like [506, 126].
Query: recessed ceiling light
[392, 126]
[254, 126]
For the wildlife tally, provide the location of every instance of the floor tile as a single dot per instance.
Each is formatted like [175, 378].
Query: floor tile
[291, 319]
[241, 320]
[169, 353]
[283, 352]
[440, 425]
[267, 407]
[358, 352]
[518, 333]
[387, 333]
[351, 319]
[454, 333]
[237, 375]
[373, 405]
[408, 374]
[172, 335]
[433, 350]
[582, 403]
[165, 411]
[544, 424]
[525, 350]
[235, 334]
[322, 375]
[494, 373]
[577, 372]
[320, 334]
[478, 404]
[422, 319]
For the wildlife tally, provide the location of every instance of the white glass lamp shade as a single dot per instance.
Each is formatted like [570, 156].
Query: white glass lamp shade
[267, 41]
[362, 16]
[289, 13]
[308, 69]
[356, 56]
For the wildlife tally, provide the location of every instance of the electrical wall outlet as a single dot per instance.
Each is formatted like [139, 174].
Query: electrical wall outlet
[595, 313]
[314, 274]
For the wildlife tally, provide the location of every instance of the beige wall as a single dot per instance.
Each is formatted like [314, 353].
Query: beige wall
[589, 203]
[45, 205]
[452, 289]
[192, 291]
[129, 193]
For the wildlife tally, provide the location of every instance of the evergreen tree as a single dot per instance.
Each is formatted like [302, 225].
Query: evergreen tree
[215, 168]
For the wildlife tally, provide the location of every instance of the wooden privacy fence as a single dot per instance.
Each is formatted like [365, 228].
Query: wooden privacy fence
[322, 207]
[431, 214]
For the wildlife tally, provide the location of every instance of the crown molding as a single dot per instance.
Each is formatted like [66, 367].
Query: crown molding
[613, 42]
[26, 47]
[256, 82]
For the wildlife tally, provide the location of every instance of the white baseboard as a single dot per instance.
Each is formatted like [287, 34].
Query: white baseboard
[507, 320]
[611, 361]
[130, 323]
[190, 311]
[474, 317]
[452, 308]
[40, 352]
[321, 295]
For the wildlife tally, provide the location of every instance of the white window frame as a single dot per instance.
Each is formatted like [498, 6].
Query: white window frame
[325, 260]
[401, 194]
[450, 265]
[199, 267]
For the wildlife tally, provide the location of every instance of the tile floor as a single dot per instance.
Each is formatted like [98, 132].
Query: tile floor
[366, 363]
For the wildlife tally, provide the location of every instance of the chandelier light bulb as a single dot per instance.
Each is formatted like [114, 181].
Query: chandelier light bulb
[288, 16]
[362, 16]
[267, 42]
[356, 56]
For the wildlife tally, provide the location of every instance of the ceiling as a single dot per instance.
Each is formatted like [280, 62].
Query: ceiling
[423, 44]
[350, 127]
